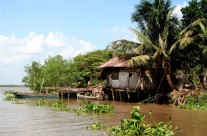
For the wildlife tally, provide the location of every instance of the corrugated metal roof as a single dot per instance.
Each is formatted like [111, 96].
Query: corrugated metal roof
[115, 62]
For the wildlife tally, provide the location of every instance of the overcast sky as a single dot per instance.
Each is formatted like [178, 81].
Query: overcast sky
[31, 30]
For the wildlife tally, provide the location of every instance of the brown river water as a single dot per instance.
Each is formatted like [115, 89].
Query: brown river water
[30, 120]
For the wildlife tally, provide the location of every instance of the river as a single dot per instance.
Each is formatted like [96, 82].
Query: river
[30, 120]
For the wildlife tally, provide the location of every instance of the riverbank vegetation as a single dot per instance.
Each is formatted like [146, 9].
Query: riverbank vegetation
[195, 102]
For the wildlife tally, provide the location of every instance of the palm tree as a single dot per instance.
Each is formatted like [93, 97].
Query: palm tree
[151, 19]
[157, 49]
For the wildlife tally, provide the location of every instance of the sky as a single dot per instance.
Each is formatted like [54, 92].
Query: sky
[32, 30]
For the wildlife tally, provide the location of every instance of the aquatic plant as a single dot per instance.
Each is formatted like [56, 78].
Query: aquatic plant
[136, 126]
[195, 102]
[8, 92]
[41, 102]
[90, 107]
[9, 98]
[16, 101]
[60, 106]
[96, 126]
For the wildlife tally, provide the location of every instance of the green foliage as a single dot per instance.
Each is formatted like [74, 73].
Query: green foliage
[86, 65]
[195, 10]
[151, 16]
[90, 107]
[96, 126]
[60, 72]
[41, 102]
[195, 102]
[8, 92]
[136, 126]
[9, 98]
[58, 105]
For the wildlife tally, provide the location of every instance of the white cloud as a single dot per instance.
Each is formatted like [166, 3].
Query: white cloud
[177, 10]
[120, 33]
[36, 47]
[81, 46]
[55, 39]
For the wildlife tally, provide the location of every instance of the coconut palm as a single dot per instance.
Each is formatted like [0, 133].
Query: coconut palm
[158, 49]
[151, 19]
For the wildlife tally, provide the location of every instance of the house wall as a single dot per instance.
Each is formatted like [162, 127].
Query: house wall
[134, 79]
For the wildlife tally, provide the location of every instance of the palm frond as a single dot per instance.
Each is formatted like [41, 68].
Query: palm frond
[203, 28]
[139, 49]
[204, 49]
[142, 60]
[167, 25]
[155, 55]
[185, 36]
[189, 27]
[144, 40]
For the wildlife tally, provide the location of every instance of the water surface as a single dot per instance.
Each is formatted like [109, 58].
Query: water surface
[30, 120]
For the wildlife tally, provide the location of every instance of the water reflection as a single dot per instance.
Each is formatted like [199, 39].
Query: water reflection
[26, 119]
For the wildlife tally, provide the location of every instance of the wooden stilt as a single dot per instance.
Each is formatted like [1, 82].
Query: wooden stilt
[120, 99]
[128, 95]
[68, 95]
[123, 96]
[112, 91]
[61, 95]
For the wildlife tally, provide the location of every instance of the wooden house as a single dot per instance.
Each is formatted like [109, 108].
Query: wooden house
[122, 78]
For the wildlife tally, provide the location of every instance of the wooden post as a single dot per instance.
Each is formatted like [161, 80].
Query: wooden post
[112, 91]
[61, 95]
[68, 95]
[128, 95]
[120, 96]
[123, 96]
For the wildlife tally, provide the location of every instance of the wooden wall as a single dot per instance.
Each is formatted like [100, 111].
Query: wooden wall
[134, 79]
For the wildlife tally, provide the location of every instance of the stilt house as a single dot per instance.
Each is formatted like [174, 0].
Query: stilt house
[120, 76]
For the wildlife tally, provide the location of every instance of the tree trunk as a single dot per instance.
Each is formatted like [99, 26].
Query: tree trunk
[166, 69]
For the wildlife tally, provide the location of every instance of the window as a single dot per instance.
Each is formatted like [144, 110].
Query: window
[114, 75]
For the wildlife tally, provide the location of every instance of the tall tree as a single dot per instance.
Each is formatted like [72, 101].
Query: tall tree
[158, 49]
[195, 10]
[193, 58]
[151, 18]
[33, 76]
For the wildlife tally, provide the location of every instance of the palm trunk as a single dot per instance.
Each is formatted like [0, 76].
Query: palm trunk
[166, 69]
